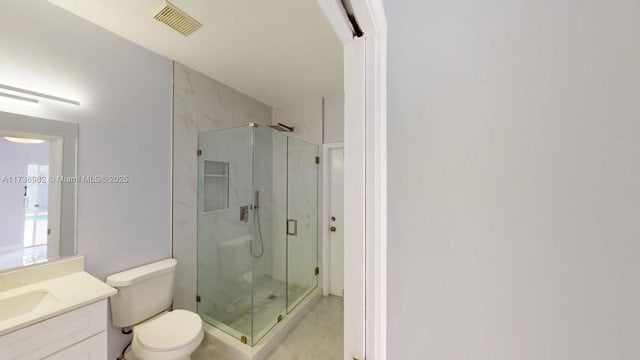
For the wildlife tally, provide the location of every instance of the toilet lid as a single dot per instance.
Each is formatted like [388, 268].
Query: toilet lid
[168, 332]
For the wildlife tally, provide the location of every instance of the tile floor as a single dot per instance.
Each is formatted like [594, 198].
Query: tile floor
[319, 336]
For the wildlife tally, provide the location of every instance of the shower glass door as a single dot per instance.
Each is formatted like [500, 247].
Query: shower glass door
[257, 228]
[302, 220]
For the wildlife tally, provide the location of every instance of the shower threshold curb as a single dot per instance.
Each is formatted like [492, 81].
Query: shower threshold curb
[233, 347]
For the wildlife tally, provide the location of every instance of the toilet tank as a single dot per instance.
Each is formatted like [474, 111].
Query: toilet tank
[142, 292]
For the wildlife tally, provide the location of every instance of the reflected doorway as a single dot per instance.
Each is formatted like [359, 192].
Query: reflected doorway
[36, 203]
[27, 195]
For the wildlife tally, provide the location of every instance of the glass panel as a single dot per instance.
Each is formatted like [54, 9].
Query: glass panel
[258, 244]
[302, 222]
[269, 242]
[224, 236]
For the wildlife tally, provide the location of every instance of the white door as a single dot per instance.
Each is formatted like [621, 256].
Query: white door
[336, 221]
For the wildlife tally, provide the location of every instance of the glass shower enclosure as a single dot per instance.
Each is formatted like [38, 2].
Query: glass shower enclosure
[257, 228]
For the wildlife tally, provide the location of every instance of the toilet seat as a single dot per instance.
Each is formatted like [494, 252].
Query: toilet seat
[168, 336]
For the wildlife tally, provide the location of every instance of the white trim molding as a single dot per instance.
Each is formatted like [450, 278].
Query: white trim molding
[354, 201]
[372, 21]
[365, 178]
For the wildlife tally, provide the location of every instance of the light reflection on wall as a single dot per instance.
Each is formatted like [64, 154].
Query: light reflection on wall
[45, 108]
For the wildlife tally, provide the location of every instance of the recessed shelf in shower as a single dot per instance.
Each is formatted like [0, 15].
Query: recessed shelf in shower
[216, 185]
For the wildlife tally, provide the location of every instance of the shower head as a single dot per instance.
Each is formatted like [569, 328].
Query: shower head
[282, 127]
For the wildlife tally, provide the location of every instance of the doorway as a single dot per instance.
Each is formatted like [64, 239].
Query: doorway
[333, 234]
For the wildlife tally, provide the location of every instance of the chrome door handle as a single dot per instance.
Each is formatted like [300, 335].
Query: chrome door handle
[295, 227]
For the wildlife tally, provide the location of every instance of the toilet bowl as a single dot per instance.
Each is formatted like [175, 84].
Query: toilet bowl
[144, 295]
[172, 336]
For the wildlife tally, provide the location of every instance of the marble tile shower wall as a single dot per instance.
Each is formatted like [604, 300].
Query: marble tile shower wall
[302, 254]
[298, 200]
[307, 119]
[279, 208]
[263, 179]
[201, 104]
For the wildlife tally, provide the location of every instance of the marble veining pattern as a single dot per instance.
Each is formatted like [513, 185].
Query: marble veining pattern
[305, 117]
[201, 104]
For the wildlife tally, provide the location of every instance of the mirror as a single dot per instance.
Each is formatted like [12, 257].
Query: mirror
[38, 178]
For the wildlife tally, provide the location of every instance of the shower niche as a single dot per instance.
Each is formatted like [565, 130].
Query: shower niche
[254, 270]
[215, 184]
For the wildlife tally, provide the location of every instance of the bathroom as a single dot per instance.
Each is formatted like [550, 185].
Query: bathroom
[487, 152]
[147, 138]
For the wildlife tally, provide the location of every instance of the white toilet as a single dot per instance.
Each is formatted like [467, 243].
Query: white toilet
[144, 295]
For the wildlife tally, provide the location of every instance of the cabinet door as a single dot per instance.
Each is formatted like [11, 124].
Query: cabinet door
[94, 348]
[50, 336]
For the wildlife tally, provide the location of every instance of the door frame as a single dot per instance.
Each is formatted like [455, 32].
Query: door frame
[365, 86]
[326, 256]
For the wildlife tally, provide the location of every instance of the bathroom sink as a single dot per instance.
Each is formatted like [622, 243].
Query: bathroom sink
[41, 292]
[25, 303]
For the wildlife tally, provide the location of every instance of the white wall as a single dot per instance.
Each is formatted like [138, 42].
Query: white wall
[333, 118]
[513, 179]
[124, 128]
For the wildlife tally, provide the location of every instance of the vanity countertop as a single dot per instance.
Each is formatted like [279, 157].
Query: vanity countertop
[51, 298]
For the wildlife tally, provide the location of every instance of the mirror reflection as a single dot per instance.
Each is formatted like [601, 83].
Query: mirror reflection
[37, 190]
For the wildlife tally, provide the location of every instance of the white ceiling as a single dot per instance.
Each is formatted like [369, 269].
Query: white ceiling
[277, 51]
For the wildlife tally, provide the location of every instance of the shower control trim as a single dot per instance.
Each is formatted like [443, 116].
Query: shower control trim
[244, 213]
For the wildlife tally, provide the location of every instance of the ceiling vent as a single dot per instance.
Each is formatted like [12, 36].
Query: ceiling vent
[177, 19]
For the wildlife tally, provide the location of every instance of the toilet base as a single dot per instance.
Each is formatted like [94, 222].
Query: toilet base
[128, 355]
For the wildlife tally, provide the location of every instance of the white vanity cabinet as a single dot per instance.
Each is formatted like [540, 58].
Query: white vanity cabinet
[79, 334]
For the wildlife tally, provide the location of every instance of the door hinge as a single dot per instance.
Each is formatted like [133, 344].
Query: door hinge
[316, 272]
[317, 159]
[48, 231]
[199, 152]
[198, 299]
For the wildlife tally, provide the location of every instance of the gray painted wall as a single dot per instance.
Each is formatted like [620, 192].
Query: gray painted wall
[124, 128]
[513, 179]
